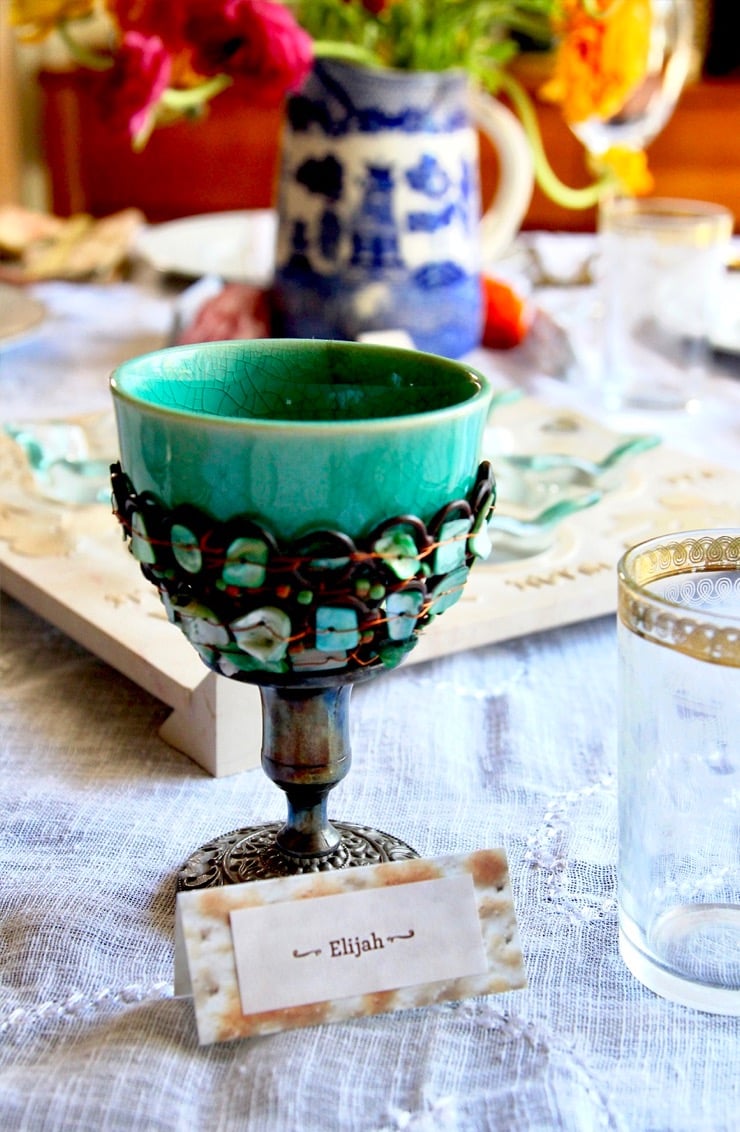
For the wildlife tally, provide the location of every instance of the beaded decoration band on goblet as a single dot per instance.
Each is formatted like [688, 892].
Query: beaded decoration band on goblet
[301, 608]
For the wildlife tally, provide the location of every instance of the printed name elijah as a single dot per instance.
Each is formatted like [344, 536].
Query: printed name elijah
[348, 946]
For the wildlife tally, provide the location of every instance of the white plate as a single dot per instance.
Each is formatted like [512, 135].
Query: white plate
[20, 315]
[237, 246]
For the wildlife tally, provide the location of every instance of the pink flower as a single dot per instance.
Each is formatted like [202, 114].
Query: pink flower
[130, 90]
[257, 42]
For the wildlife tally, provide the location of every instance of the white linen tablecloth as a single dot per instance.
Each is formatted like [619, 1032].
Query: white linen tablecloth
[513, 745]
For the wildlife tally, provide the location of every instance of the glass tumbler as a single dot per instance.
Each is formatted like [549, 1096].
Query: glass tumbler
[679, 767]
[662, 263]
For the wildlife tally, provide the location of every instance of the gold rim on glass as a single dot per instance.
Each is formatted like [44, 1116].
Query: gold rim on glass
[690, 615]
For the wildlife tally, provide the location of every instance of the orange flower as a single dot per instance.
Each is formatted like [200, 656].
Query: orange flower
[601, 58]
[627, 167]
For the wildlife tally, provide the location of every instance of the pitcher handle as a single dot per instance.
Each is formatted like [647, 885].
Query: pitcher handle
[502, 219]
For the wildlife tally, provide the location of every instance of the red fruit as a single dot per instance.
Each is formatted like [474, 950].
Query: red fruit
[506, 319]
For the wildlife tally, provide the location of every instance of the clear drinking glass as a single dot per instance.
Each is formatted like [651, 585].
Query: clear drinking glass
[679, 767]
[661, 266]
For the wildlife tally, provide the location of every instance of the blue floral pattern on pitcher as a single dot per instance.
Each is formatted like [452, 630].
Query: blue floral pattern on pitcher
[378, 208]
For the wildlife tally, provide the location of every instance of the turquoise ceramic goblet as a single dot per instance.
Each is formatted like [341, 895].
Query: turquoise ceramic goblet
[305, 508]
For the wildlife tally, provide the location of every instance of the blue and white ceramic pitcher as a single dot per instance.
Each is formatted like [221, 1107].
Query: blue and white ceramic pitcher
[378, 204]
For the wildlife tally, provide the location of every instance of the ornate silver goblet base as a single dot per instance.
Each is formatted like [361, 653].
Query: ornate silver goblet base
[255, 854]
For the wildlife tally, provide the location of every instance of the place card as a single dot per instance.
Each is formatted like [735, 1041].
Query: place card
[325, 947]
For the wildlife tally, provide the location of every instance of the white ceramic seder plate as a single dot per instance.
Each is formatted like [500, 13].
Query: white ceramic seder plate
[20, 315]
[237, 246]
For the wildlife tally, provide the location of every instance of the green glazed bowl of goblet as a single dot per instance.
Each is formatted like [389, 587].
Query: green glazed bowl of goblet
[303, 435]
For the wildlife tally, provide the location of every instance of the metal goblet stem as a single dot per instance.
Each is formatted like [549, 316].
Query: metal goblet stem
[306, 752]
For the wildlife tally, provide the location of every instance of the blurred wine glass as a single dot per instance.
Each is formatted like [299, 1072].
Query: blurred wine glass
[648, 107]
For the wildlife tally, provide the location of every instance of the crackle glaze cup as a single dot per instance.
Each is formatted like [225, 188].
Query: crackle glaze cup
[302, 435]
[662, 266]
[679, 767]
[305, 508]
